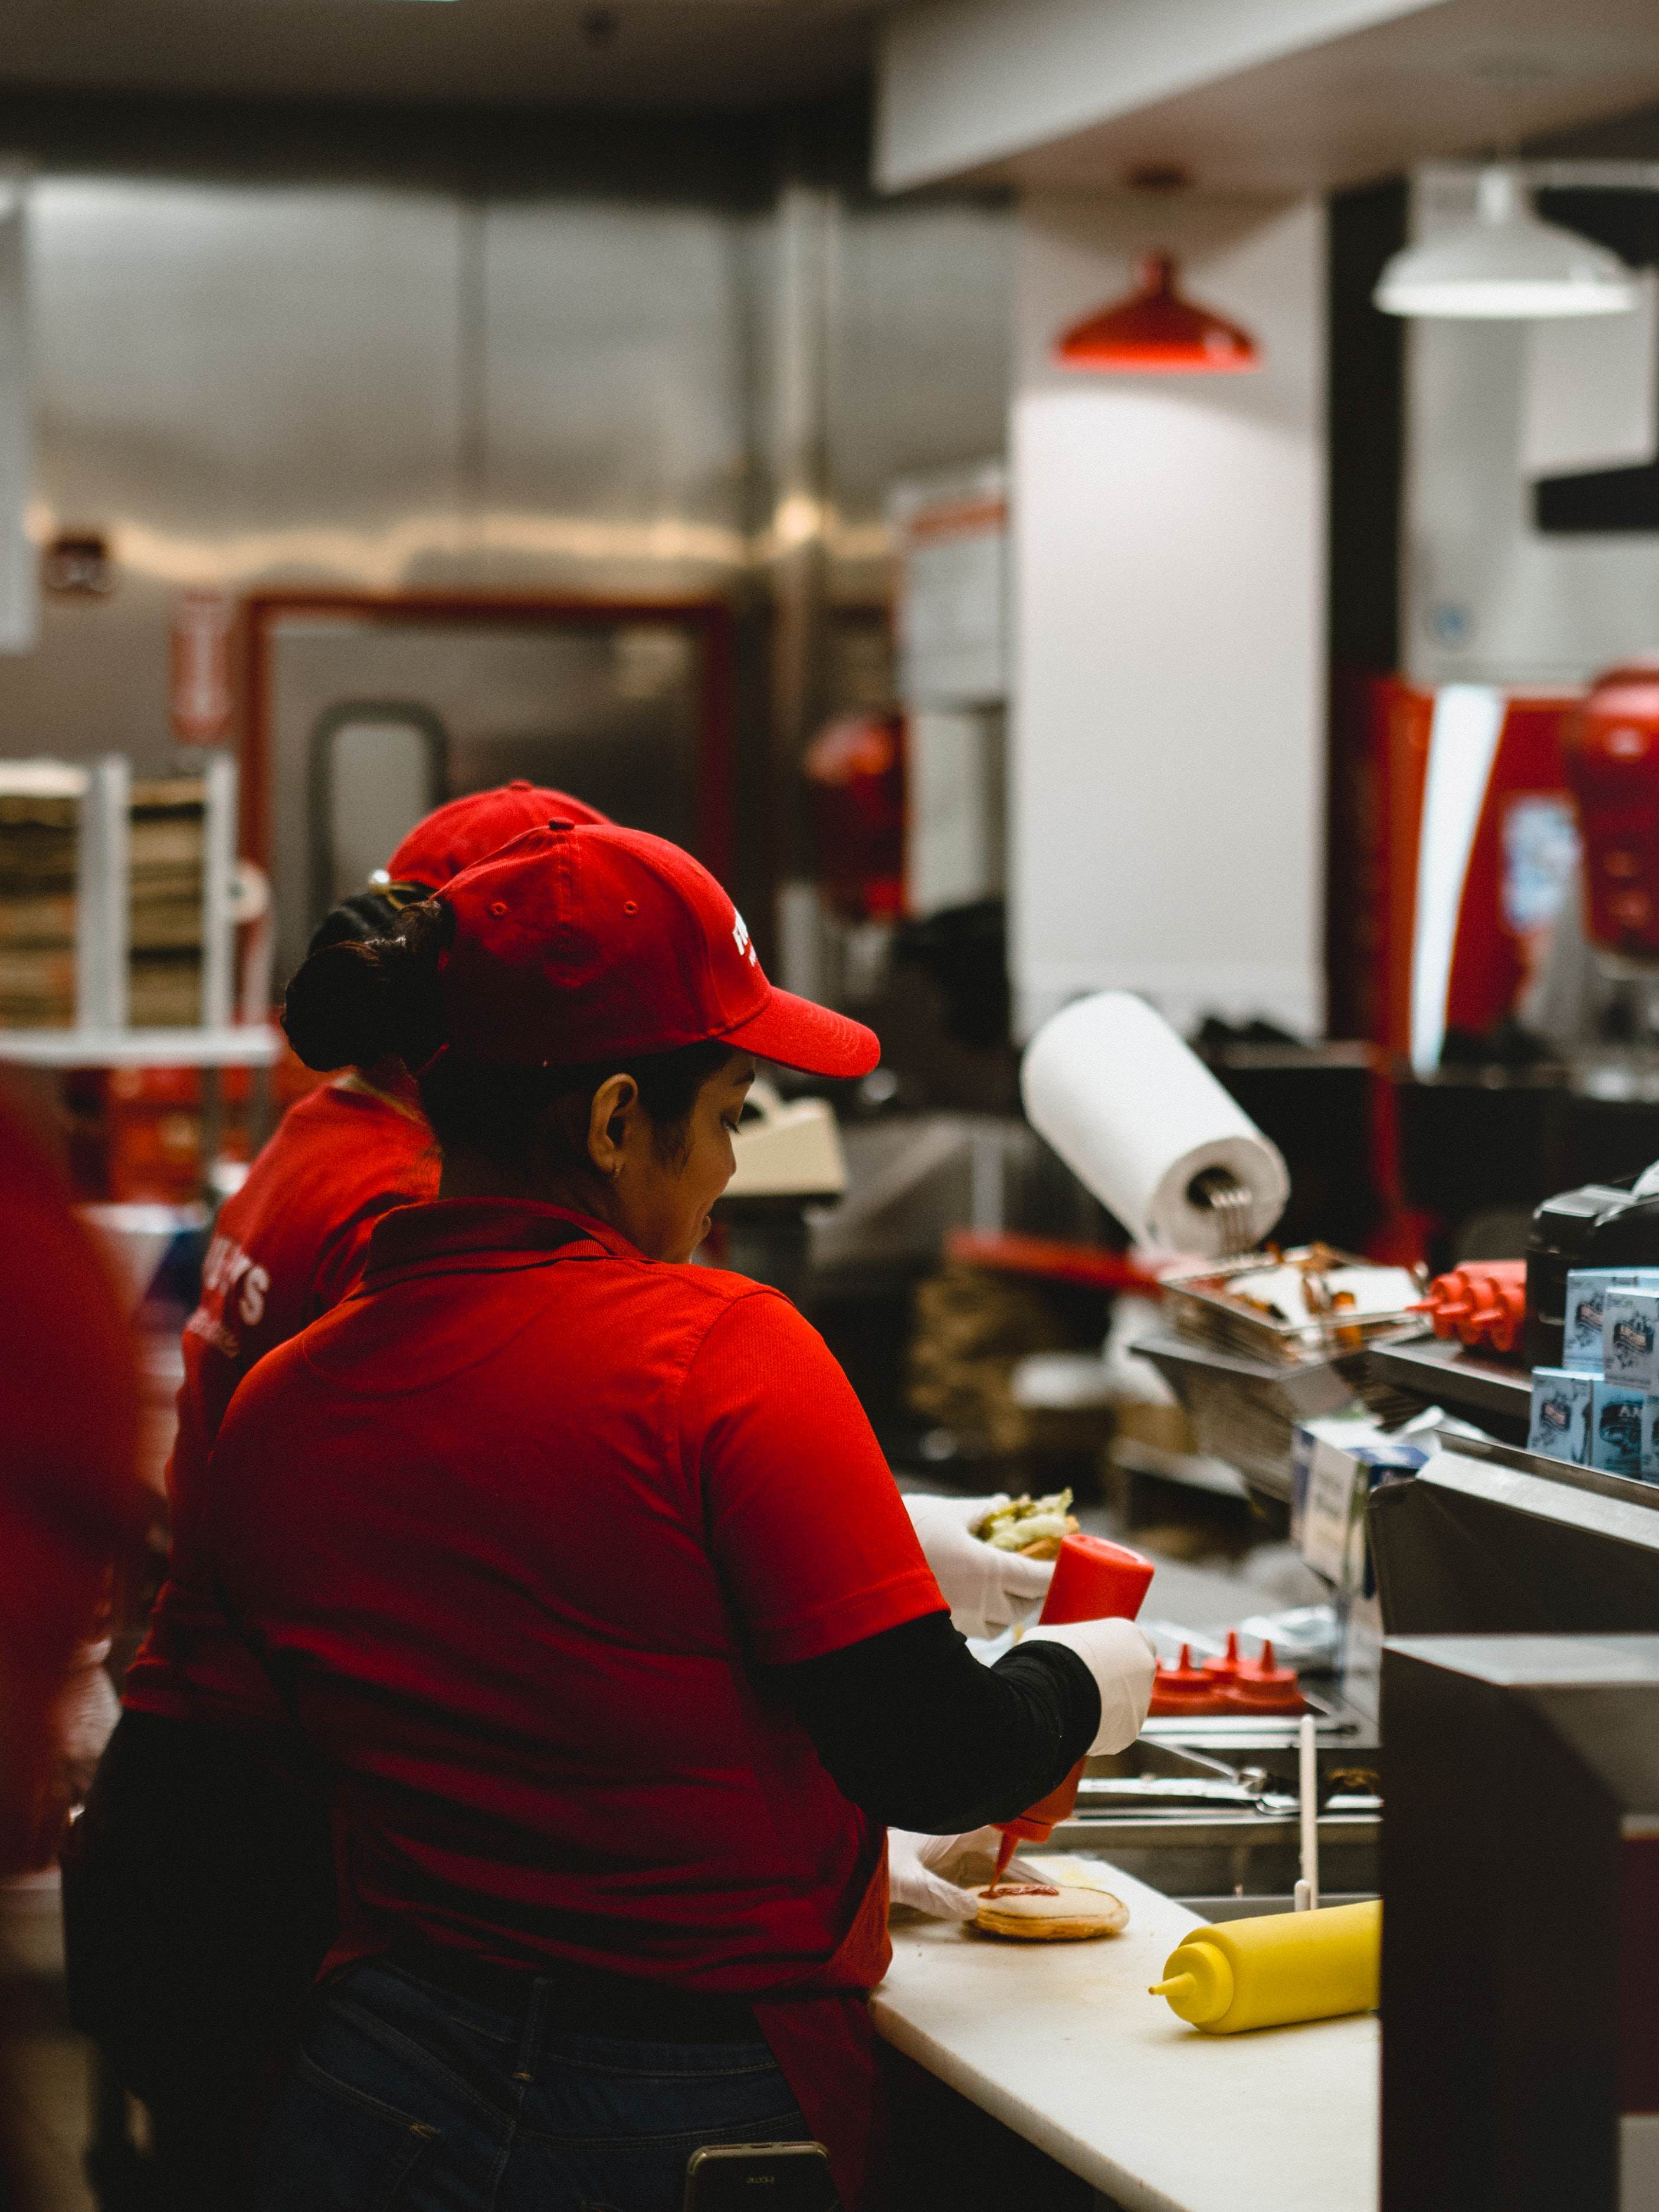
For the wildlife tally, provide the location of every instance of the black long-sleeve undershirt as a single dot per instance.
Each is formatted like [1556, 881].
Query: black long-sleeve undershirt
[919, 1734]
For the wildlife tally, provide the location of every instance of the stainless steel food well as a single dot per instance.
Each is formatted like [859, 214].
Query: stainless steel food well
[1194, 1823]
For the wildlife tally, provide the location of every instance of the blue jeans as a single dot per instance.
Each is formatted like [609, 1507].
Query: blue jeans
[406, 2099]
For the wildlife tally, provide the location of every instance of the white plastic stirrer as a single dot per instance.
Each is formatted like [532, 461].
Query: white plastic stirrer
[1307, 1890]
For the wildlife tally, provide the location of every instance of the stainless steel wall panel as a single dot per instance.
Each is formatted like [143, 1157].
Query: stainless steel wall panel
[96, 681]
[20, 609]
[237, 384]
[615, 441]
[552, 366]
[249, 379]
[922, 321]
[804, 232]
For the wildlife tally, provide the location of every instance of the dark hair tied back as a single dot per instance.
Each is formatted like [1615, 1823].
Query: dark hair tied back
[365, 914]
[353, 1004]
[358, 1002]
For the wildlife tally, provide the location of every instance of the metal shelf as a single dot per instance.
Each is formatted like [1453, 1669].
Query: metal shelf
[1243, 1410]
[1442, 1373]
[1109, 1833]
[1194, 1470]
[1307, 1384]
[252, 1045]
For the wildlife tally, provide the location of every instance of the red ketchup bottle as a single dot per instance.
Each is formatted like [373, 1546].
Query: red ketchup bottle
[1094, 1580]
[1180, 1691]
[1222, 1673]
[1262, 1686]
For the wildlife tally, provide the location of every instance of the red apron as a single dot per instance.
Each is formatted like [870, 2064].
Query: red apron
[820, 2033]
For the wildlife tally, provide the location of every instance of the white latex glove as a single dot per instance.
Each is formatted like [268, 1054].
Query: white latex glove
[1122, 1659]
[83, 1722]
[920, 1868]
[88, 1709]
[986, 1590]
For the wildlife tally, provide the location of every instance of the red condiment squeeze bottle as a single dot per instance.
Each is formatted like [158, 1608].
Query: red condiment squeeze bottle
[1262, 1686]
[1094, 1580]
[1481, 1303]
[1225, 1671]
[1186, 1689]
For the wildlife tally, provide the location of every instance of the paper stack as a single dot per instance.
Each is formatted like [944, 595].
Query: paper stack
[40, 829]
[168, 840]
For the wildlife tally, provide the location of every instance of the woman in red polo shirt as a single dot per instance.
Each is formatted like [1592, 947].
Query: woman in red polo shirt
[581, 1568]
[71, 1503]
[291, 1243]
[72, 1507]
[200, 1887]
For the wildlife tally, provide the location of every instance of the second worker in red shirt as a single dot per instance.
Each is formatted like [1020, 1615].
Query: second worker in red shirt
[200, 1891]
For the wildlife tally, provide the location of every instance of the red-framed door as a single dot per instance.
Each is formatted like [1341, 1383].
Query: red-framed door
[711, 620]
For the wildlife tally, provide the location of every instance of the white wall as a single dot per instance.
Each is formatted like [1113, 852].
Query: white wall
[1166, 767]
[1487, 598]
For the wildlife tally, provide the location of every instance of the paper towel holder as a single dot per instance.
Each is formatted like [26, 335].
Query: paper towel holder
[1220, 1190]
[1144, 1125]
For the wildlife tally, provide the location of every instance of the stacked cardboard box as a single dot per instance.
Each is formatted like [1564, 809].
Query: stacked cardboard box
[40, 829]
[973, 1327]
[169, 838]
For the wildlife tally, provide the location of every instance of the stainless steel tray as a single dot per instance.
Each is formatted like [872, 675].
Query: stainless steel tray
[1217, 1820]
[1197, 1306]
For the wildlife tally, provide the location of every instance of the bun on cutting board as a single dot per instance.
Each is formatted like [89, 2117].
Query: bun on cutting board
[1031, 1914]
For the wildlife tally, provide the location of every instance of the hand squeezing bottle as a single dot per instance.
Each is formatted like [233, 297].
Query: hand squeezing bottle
[1094, 1580]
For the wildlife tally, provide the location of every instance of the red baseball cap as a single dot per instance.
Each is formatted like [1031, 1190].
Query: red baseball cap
[574, 943]
[466, 830]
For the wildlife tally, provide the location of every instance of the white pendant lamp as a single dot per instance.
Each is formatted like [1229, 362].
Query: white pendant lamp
[1506, 265]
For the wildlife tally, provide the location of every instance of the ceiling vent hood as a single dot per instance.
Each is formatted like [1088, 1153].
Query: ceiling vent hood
[1269, 96]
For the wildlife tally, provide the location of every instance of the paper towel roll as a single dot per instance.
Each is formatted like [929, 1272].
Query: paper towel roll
[1137, 1116]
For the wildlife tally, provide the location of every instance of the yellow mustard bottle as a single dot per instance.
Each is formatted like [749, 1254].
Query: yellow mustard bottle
[1279, 1967]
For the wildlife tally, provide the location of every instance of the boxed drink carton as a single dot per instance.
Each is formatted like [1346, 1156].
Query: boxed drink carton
[1587, 1290]
[1651, 1438]
[1560, 1415]
[1630, 1337]
[1615, 1428]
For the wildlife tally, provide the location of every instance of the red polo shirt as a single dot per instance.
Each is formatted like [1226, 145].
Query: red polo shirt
[70, 1500]
[288, 1246]
[526, 1519]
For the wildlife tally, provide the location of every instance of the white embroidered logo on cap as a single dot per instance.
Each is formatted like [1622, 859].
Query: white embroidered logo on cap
[740, 937]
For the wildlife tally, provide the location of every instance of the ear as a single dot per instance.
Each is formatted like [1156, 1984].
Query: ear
[614, 1105]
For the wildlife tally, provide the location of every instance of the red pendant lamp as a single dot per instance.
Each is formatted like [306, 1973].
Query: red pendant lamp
[1155, 329]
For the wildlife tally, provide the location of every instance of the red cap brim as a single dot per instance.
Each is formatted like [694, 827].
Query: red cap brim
[795, 1033]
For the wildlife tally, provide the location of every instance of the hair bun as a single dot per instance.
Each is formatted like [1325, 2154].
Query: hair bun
[340, 1008]
[353, 1004]
[365, 914]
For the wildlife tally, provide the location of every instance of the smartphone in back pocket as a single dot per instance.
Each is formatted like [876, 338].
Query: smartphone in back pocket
[787, 2177]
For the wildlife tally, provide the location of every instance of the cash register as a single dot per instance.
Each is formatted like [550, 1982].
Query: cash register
[1520, 1720]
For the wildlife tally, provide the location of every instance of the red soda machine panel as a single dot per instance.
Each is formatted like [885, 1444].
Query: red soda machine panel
[1611, 753]
[1480, 845]
[854, 769]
